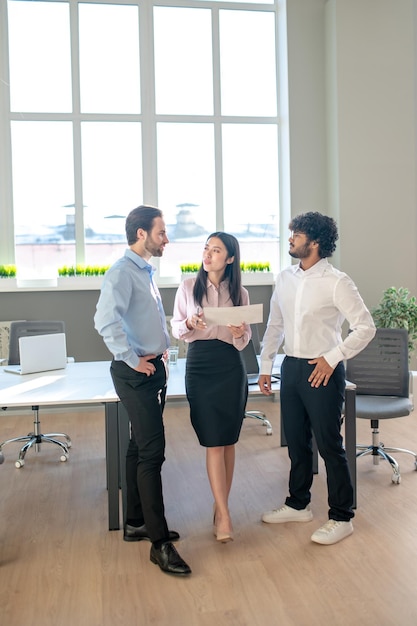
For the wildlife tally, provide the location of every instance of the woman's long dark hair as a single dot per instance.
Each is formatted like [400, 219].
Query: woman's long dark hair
[232, 272]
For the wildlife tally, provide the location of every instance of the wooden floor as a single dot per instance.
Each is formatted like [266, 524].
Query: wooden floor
[60, 566]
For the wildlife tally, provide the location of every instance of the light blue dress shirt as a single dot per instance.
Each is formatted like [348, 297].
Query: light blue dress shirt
[130, 316]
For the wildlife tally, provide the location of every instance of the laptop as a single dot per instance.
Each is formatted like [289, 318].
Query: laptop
[40, 353]
[252, 365]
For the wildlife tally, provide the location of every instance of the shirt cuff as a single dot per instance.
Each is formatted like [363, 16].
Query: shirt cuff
[334, 357]
[265, 367]
[133, 361]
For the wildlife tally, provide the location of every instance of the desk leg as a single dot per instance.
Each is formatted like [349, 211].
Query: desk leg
[112, 463]
[123, 438]
[350, 437]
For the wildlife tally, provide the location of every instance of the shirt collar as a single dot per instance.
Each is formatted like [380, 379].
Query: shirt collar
[140, 261]
[222, 287]
[317, 269]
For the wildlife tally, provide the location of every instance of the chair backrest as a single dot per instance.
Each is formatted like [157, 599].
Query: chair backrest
[255, 338]
[249, 358]
[381, 369]
[27, 329]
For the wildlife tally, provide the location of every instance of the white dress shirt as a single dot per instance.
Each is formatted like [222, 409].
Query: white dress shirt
[307, 311]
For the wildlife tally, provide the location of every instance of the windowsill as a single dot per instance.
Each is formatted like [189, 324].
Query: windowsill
[70, 283]
[93, 283]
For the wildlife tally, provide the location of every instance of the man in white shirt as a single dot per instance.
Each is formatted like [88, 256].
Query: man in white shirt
[310, 302]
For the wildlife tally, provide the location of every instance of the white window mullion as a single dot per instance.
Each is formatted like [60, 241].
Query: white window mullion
[283, 128]
[7, 251]
[218, 150]
[147, 70]
[76, 98]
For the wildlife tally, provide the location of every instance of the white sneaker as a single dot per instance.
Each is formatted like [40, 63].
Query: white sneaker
[332, 532]
[287, 514]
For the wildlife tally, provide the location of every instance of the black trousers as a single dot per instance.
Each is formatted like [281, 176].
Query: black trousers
[306, 409]
[144, 399]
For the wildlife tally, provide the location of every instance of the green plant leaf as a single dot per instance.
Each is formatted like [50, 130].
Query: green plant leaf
[397, 309]
[7, 271]
[82, 270]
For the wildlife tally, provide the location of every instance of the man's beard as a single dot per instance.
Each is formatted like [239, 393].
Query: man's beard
[153, 248]
[301, 253]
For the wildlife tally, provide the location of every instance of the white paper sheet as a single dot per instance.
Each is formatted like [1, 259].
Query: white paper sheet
[235, 315]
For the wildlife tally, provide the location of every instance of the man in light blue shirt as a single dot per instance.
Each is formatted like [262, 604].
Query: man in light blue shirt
[131, 319]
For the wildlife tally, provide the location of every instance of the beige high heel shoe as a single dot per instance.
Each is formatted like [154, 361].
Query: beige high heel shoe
[223, 537]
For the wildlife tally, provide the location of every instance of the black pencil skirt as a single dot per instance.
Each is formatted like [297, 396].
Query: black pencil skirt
[217, 391]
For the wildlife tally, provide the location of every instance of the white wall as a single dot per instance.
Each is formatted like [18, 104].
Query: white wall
[307, 105]
[375, 103]
[352, 97]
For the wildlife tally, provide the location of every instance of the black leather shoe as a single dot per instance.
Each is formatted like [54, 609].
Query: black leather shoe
[169, 560]
[139, 533]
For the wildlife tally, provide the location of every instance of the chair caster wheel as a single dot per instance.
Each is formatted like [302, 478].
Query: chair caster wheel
[269, 431]
[396, 479]
[63, 458]
[19, 463]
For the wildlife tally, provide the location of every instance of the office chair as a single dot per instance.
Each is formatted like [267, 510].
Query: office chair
[249, 355]
[261, 416]
[381, 375]
[35, 438]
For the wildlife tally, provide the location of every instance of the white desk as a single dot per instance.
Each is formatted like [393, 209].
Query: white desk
[87, 383]
[78, 384]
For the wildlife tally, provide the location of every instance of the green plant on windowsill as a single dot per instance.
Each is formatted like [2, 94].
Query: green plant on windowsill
[256, 267]
[192, 268]
[398, 309]
[7, 271]
[82, 270]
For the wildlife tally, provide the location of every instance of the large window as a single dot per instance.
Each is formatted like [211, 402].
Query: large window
[115, 104]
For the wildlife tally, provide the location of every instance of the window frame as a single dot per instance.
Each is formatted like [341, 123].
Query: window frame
[148, 117]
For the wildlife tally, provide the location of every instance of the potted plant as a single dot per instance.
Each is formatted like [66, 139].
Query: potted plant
[189, 269]
[253, 273]
[81, 276]
[398, 309]
[256, 267]
[82, 270]
[7, 271]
